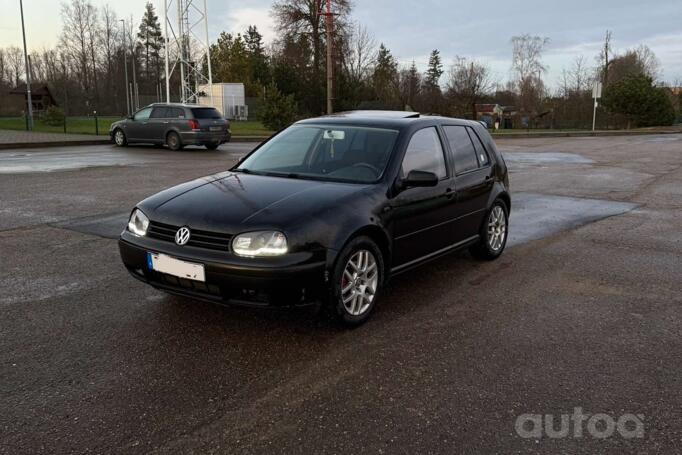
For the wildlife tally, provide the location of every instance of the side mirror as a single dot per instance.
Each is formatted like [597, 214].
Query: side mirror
[419, 179]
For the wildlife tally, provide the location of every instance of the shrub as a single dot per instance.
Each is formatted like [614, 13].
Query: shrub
[640, 101]
[277, 111]
[53, 116]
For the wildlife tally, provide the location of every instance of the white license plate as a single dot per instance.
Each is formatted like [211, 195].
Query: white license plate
[181, 269]
[216, 128]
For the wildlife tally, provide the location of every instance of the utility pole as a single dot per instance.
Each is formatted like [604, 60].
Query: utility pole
[28, 71]
[330, 69]
[166, 42]
[125, 65]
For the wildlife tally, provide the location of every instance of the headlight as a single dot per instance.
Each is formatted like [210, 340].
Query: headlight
[138, 223]
[258, 244]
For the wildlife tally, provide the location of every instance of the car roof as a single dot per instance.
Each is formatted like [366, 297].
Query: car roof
[384, 119]
[188, 105]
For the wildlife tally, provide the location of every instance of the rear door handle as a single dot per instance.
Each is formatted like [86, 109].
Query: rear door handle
[449, 193]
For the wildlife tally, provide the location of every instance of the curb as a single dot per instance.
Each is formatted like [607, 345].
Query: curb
[585, 134]
[27, 145]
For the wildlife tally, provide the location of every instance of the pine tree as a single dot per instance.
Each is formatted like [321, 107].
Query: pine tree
[256, 50]
[150, 39]
[385, 76]
[435, 70]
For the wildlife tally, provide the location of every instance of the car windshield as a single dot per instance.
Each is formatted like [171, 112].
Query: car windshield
[206, 113]
[331, 152]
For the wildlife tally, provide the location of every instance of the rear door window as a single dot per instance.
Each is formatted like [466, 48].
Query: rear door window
[462, 148]
[177, 112]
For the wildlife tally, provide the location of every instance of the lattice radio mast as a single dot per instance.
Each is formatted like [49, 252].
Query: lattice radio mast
[187, 48]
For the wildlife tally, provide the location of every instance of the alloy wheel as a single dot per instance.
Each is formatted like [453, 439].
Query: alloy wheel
[497, 228]
[359, 282]
[119, 137]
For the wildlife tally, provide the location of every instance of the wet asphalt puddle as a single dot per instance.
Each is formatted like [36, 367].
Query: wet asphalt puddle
[536, 216]
[516, 158]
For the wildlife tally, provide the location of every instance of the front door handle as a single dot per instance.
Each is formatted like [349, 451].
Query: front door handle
[449, 193]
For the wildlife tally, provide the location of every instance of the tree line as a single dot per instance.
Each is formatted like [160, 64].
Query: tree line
[86, 71]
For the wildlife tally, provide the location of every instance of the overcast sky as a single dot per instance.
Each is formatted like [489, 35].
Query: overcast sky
[411, 29]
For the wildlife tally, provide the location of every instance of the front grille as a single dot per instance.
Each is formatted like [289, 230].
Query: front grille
[200, 239]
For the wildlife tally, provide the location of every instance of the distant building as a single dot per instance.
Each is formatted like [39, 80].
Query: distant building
[494, 113]
[228, 98]
[41, 97]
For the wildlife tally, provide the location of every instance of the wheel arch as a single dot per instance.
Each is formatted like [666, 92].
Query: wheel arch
[378, 235]
[505, 197]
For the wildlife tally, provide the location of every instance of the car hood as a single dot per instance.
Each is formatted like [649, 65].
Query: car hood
[232, 202]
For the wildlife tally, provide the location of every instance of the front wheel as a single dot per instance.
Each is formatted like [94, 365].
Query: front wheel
[493, 234]
[120, 138]
[357, 281]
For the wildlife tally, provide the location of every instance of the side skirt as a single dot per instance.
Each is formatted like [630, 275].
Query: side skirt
[435, 255]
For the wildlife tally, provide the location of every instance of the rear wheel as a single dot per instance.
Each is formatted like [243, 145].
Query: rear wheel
[173, 141]
[357, 281]
[212, 146]
[120, 138]
[493, 234]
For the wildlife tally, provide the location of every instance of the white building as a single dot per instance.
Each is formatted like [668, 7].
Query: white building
[228, 98]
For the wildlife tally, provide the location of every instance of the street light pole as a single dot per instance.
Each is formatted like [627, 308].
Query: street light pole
[125, 65]
[28, 72]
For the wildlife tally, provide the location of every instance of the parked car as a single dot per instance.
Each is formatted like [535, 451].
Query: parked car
[175, 125]
[326, 211]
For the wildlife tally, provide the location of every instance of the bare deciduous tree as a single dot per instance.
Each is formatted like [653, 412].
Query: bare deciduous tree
[2, 67]
[468, 81]
[528, 67]
[109, 42]
[15, 65]
[76, 39]
[360, 54]
[527, 55]
[648, 61]
[580, 74]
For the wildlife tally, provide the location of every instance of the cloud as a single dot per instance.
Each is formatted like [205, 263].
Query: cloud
[237, 20]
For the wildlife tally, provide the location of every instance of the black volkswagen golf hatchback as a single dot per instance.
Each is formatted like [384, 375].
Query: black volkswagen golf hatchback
[325, 212]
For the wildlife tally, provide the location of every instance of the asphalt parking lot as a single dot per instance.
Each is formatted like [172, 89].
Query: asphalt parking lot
[584, 310]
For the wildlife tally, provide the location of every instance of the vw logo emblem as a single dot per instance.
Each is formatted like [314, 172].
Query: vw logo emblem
[182, 236]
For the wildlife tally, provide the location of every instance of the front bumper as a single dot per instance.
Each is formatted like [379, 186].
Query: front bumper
[294, 279]
[205, 137]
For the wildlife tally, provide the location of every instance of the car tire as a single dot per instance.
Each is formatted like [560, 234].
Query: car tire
[173, 141]
[357, 282]
[493, 234]
[212, 146]
[120, 138]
